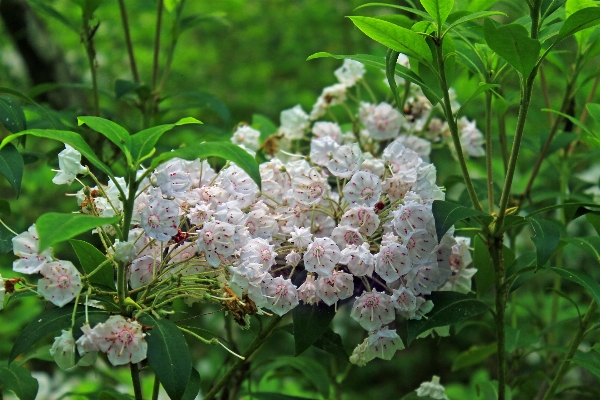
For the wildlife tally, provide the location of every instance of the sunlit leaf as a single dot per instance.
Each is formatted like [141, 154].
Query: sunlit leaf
[57, 227]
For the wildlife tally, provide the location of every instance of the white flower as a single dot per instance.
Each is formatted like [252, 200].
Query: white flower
[350, 72]
[404, 300]
[200, 213]
[323, 129]
[88, 342]
[382, 121]
[471, 138]
[346, 235]
[309, 188]
[383, 344]
[331, 96]
[410, 217]
[372, 165]
[122, 340]
[301, 237]
[294, 122]
[160, 219]
[61, 282]
[246, 136]
[346, 160]
[339, 286]
[216, 239]
[248, 274]
[63, 350]
[321, 256]
[26, 247]
[432, 389]
[393, 261]
[361, 217]
[358, 259]
[420, 245]
[363, 188]
[400, 157]
[261, 222]
[142, 271]
[307, 292]
[282, 294]
[172, 177]
[259, 251]
[293, 258]
[421, 146]
[322, 149]
[2, 292]
[124, 251]
[397, 185]
[372, 310]
[239, 185]
[69, 162]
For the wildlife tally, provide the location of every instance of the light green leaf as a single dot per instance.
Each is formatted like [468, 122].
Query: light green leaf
[395, 37]
[225, 150]
[473, 356]
[11, 166]
[483, 87]
[311, 369]
[90, 258]
[391, 61]
[407, 9]
[264, 125]
[512, 42]
[447, 214]
[18, 380]
[310, 322]
[438, 9]
[111, 130]
[581, 278]
[594, 110]
[578, 21]
[56, 227]
[448, 308]
[546, 239]
[168, 355]
[11, 115]
[472, 17]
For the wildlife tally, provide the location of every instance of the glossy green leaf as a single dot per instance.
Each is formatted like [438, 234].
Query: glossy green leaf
[391, 62]
[395, 37]
[11, 166]
[483, 87]
[589, 361]
[549, 6]
[144, 141]
[90, 258]
[71, 138]
[512, 43]
[5, 240]
[225, 150]
[473, 356]
[482, 261]
[474, 16]
[590, 244]
[438, 9]
[111, 130]
[447, 214]
[57, 227]
[310, 322]
[581, 278]
[193, 387]
[578, 21]
[39, 353]
[314, 372]
[547, 236]
[448, 308]
[11, 115]
[56, 123]
[168, 355]
[18, 380]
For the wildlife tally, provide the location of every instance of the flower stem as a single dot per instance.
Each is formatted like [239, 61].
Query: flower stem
[488, 150]
[155, 388]
[159, 13]
[129, 44]
[135, 378]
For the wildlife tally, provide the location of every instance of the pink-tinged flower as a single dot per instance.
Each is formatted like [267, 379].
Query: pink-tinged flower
[246, 136]
[393, 261]
[346, 160]
[307, 292]
[350, 72]
[282, 295]
[401, 158]
[383, 344]
[346, 235]
[339, 286]
[322, 149]
[200, 213]
[248, 274]
[301, 237]
[61, 282]
[411, 217]
[172, 177]
[404, 300]
[361, 217]
[69, 162]
[260, 221]
[382, 121]
[259, 251]
[363, 189]
[372, 310]
[399, 184]
[424, 278]
[88, 342]
[358, 259]
[160, 219]
[216, 239]
[143, 270]
[323, 129]
[239, 185]
[122, 340]
[25, 246]
[294, 122]
[321, 256]
[293, 258]
[309, 188]
[420, 245]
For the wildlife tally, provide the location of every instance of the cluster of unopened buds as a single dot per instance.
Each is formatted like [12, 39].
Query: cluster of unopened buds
[352, 222]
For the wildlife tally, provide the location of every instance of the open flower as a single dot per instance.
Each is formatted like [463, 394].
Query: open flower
[160, 219]
[372, 310]
[69, 162]
[122, 340]
[321, 256]
[339, 286]
[25, 246]
[282, 295]
[61, 282]
[364, 188]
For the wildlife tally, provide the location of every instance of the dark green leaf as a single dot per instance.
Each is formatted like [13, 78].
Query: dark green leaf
[264, 125]
[448, 308]
[547, 236]
[111, 130]
[46, 9]
[168, 355]
[549, 6]
[474, 16]
[483, 87]
[198, 100]
[193, 387]
[578, 21]
[56, 227]
[311, 369]
[527, 260]
[225, 150]
[580, 278]
[11, 166]
[482, 261]
[39, 109]
[122, 87]
[594, 220]
[512, 42]
[5, 240]
[197, 19]
[415, 396]
[39, 353]
[589, 361]
[4, 207]
[90, 258]
[310, 322]
[473, 356]
[518, 339]
[275, 396]
[144, 141]
[590, 244]
[111, 394]
[11, 115]
[391, 61]
[331, 342]
[395, 37]
[19, 380]
[447, 214]
[438, 9]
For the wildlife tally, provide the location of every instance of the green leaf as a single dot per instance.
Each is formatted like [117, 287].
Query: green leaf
[122, 87]
[594, 110]
[193, 387]
[512, 42]
[414, 396]
[438, 9]
[71, 138]
[39, 353]
[549, 6]
[112, 131]
[90, 258]
[168, 355]
[483, 87]
[111, 394]
[331, 342]
[447, 214]
[519, 339]
[472, 17]
[407, 9]
[264, 125]
[395, 37]
[5, 240]
[578, 21]
[575, 121]
[473, 356]
[274, 396]
[4, 207]
[310, 322]
[39, 109]
[448, 308]
[314, 372]
[225, 150]
[197, 19]
[594, 220]
[590, 244]
[547, 236]
[18, 380]
[144, 141]
[11, 115]
[197, 100]
[42, 7]
[11, 166]
[56, 227]
[482, 261]
[391, 61]
[580, 278]
[589, 361]
[526, 260]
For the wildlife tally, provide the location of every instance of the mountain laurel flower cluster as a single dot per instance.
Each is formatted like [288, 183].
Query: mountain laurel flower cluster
[351, 223]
